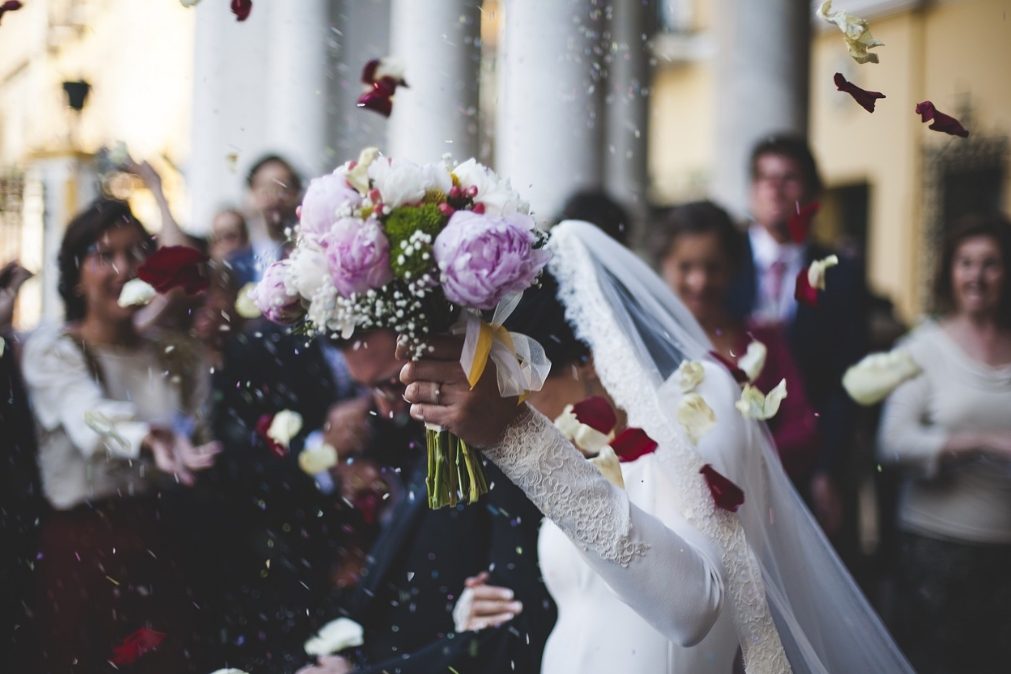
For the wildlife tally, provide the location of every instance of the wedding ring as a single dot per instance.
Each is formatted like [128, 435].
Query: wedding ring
[438, 392]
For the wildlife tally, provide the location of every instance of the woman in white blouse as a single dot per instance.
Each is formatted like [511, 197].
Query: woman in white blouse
[949, 429]
[114, 412]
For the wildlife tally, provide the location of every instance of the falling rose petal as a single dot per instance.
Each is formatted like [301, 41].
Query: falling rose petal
[816, 271]
[695, 416]
[799, 224]
[872, 379]
[262, 428]
[941, 122]
[136, 293]
[753, 360]
[10, 6]
[376, 101]
[855, 32]
[386, 68]
[632, 443]
[609, 465]
[381, 77]
[284, 426]
[175, 267]
[690, 374]
[753, 404]
[726, 495]
[739, 375]
[136, 645]
[583, 436]
[335, 636]
[804, 292]
[865, 98]
[597, 413]
[241, 9]
[318, 458]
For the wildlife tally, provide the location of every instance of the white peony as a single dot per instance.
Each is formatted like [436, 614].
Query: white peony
[399, 181]
[816, 272]
[609, 466]
[284, 426]
[335, 637]
[695, 415]
[437, 177]
[307, 269]
[136, 293]
[318, 458]
[690, 374]
[753, 360]
[497, 195]
[754, 404]
[877, 375]
[244, 304]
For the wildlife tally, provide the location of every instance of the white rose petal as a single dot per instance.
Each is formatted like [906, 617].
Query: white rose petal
[318, 458]
[753, 404]
[585, 438]
[689, 375]
[753, 360]
[873, 378]
[609, 466]
[136, 293]
[855, 31]
[245, 306]
[3, 345]
[816, 272]
[399, 181]
[335, 637]
[695, 415]
[358, 177]
[227, 670]
[284, 426]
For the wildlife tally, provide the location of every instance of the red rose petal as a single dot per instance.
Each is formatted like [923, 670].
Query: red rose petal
[175, 267]
[804, 292]
[596, 413]
[136, 645]
[865, 98]
[10, 6]
[376, 101]
[262, 426]
[739, 375]
[241, 9]
[632, 443]
[799, 224]
[941, 122]
[726, 494]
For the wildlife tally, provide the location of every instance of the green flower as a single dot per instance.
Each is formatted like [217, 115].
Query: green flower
[411, 231]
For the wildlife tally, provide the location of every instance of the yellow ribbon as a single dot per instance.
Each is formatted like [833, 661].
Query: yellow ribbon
[487, 335]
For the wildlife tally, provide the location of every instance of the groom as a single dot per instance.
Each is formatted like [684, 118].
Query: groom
[417, 568]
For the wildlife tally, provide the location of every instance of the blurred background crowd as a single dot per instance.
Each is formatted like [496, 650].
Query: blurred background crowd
[689, 130]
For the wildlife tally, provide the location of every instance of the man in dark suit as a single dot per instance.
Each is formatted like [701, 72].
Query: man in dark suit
[418, 566]
[824, 339]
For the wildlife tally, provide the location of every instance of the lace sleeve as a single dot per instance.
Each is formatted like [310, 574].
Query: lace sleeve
[669, 577]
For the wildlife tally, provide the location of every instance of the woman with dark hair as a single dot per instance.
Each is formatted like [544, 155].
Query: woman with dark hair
[950, 430]
[698, 253]
[115, 412]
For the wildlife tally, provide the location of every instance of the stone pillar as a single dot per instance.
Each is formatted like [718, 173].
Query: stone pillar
[549, 128]
[626, 105]
[439, 42]
[761, 85]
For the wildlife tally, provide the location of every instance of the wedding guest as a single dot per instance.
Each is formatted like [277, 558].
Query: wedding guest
[419, 564]
[949, 431]
[597, 207]
[229, 234]
[275, 191]
[698, 250]
[113, 408]
[824, 339]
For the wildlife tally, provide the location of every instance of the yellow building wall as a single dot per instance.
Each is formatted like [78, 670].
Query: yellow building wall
[681, 133]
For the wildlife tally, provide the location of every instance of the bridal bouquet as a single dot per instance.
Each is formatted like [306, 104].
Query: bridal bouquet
[420, 250]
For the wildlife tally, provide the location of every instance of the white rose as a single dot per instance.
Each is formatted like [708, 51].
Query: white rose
[284, 426]
[695, 415]
[335, 637]
[245, 306]
[609, 466]
[585, 438]
[399, 181]
[497, 195]
[136, 293]
[307, 269]
[690, 374]
[753, 360]
[873, 378]
[816, 272]
[753, 404]
[318, 458]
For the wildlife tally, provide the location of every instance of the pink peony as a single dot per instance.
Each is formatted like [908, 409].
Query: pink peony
[483, 258]
[272, 297]
[358, 255]
[324, 196]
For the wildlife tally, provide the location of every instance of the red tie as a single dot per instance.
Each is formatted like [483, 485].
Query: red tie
[777, 270]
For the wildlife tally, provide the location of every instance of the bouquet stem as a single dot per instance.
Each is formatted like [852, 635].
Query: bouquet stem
[454, 470]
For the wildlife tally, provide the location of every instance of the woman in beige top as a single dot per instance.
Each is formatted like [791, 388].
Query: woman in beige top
[949, 429]
[114, 413]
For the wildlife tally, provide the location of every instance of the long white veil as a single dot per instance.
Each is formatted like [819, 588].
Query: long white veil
[639, 333]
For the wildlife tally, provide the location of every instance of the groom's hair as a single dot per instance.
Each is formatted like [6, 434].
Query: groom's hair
[541, 315]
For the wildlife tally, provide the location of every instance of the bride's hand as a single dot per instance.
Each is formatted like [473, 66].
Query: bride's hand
[439, 394]
[482, 605]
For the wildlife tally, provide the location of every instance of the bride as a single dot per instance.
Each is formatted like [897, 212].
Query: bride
[653, 577]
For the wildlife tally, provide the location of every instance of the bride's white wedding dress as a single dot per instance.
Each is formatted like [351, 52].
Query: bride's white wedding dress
[655, 578]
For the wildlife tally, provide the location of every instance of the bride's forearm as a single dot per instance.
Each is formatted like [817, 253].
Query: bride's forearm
[671, 578]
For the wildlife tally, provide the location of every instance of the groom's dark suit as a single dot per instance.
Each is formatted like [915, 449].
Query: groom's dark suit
[416, 572]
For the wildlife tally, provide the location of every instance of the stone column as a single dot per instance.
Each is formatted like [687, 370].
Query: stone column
[761, 85]
[626, 105]
[439, 44]
[548, 122]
